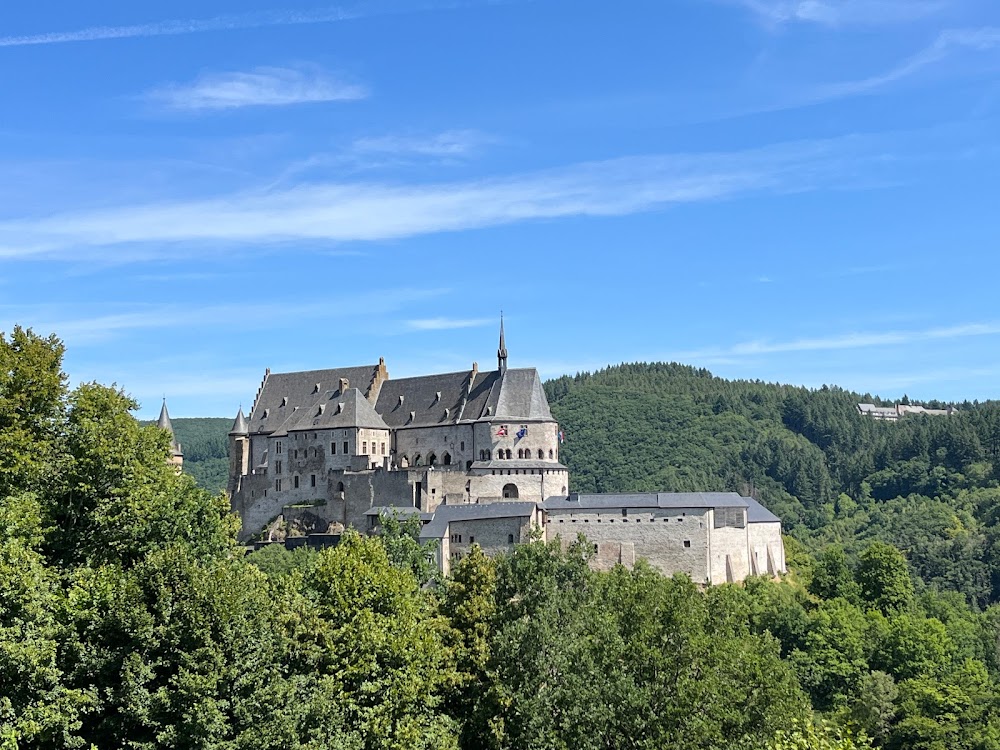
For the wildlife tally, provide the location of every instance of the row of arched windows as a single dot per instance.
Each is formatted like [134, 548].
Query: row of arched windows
[432, 460]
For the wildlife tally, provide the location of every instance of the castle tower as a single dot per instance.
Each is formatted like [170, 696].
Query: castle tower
[239, 452]
[176, 455]
[502, 351]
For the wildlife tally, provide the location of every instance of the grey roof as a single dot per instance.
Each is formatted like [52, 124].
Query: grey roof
[647, 500]
[420, 397]
[757, 513]
[281, 393]
[239, 424]
[522, 396]
[336, 410]
[164, 421]
[445, 514]
[164, 424]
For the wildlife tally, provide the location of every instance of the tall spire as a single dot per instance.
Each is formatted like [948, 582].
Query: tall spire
[164, 421]
[502, 351]
[164, 424]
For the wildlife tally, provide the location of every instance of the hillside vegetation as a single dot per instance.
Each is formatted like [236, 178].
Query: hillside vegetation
[130, 617]
[927, 485]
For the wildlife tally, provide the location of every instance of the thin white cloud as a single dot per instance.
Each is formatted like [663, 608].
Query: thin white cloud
[948, 42]
[447, 324]
[80, 330]
[183, 26]
[855, 340]
[264, 86]
[364, 211]
[836, 13]
[451, 143]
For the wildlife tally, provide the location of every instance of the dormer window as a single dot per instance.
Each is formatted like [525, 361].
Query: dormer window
[284, 400]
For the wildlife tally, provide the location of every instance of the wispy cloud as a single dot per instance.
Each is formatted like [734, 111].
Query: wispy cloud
[446, 324]
[855, 340]
[81, 329]
[341, 212]
[263, 86]
[947, 43]
[183, 26]
[451, 143]
[837, 13]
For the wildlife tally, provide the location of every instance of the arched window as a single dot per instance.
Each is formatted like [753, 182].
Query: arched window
[447, 459]
[509, 453]
[404, 461]
[551, 453]
[340, 487]
[416, 460]
[520, 453]
[432, 460]
[510, 492]
[541, 454]
[500, 454]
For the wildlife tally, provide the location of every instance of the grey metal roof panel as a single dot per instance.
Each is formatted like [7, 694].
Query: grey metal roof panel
[445, 514]
[282, 392]
[757, 513]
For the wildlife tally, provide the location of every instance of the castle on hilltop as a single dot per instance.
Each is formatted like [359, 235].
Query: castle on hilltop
[475, 455]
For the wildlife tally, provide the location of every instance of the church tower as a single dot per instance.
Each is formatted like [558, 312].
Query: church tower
[502, 351]
[176, 455]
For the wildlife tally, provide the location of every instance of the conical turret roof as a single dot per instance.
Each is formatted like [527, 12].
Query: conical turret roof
[240, 426]
[164, 424]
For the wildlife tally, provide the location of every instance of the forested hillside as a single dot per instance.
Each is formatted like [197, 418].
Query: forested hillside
[205, 442]
[927, 485]
[130, 617]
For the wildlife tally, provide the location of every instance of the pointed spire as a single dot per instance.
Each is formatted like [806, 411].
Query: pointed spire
[164, 421]
[240, 425]
[502, 351]
[164, 424]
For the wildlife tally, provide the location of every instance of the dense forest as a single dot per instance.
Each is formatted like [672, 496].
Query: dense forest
[130, 617]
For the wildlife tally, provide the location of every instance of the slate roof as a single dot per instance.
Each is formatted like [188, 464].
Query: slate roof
[445, 514]
[647, 500]
[164, 424]
[239, 424]
[522, 396]
[420, 396]
[757, 513]
[337, 410]
[282, 392]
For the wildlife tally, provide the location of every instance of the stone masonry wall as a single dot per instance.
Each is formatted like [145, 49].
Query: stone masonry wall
[671, 539]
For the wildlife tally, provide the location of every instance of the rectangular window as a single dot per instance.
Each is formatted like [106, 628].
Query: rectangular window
[295, 482]
[462, 445]
[312, 480]
[277, 448]
[333, 449]
[687, 542]
[346, 448]
[364, 447]
[383, 449]
[471, 539]
[277, 485]
[277, 467]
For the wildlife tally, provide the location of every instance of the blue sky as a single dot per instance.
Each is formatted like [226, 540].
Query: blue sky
[801, 191]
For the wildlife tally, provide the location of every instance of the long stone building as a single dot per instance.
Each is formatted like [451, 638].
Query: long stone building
[475, 455]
